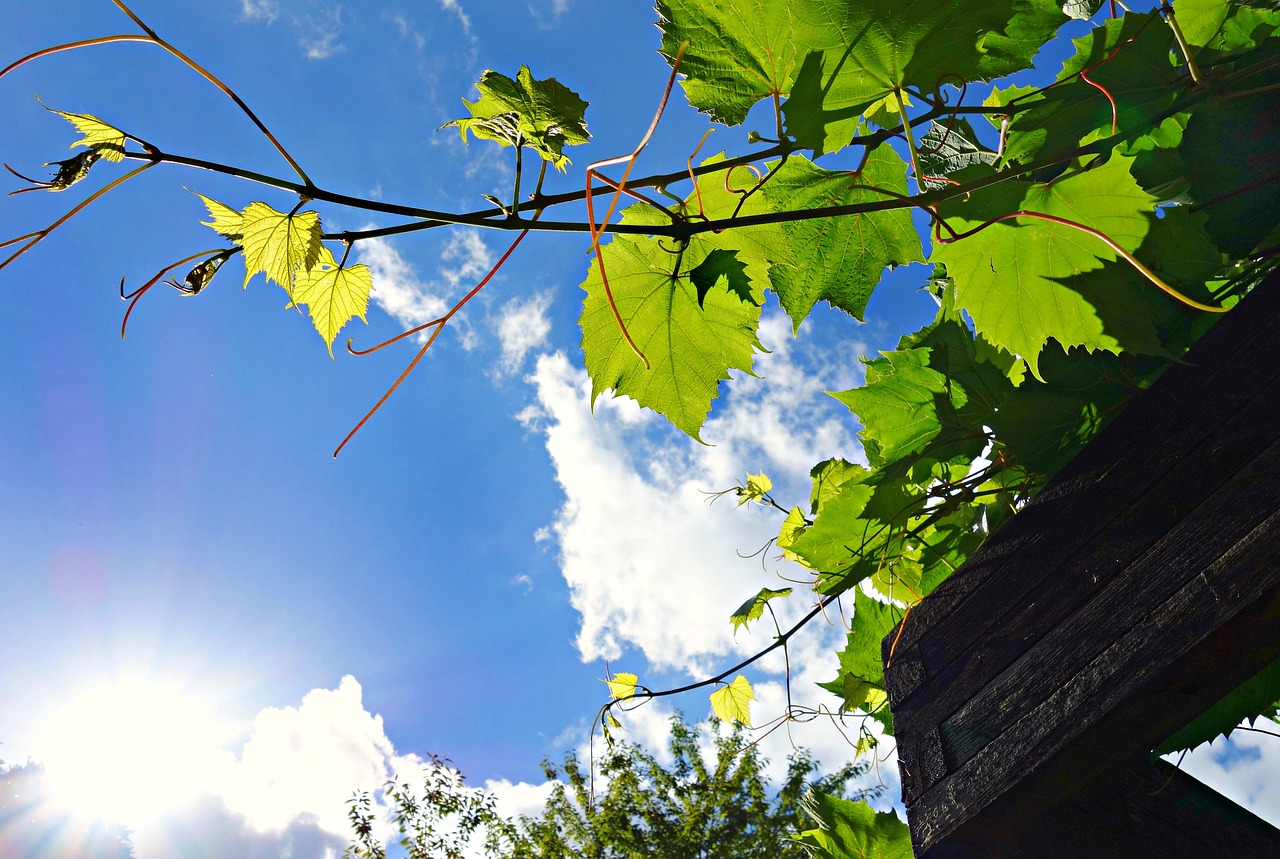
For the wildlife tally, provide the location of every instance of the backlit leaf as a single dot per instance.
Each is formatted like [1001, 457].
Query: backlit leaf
[840, 259]
[732, 703]
[622, 685]
[542, 114]
[753, 608]
[852, 830]
[333, 294]
[1026, 279]
[690, 346]
[106, 140]
[758, 485]
[277, 244]
[226, 220]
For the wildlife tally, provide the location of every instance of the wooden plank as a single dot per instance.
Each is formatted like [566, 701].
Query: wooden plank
[1147, 808]
[1010, 630]
[1216, 632]
[1134, 597]
[1222, 372]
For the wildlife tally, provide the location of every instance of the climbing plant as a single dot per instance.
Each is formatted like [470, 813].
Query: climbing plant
[1081, 233]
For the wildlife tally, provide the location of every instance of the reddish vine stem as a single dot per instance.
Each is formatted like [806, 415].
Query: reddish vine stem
[41, 235]
[154, 38]
[1097, 234]
[594, 170]
[439, 326]
[137, 294]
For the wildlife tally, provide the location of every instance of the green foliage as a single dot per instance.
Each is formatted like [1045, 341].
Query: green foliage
[1078, 237]
[753, 609]
[692, 808]
[846, 830]
[1259, 696]
[544, 115]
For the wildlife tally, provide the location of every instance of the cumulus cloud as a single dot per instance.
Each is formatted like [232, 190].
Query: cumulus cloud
[411, 300]
[522, 326]
[286, 792]
[648, 561]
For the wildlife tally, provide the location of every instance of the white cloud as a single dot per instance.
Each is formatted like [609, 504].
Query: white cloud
[649, 563]
[463, 18]
[286, 792]
[408, 31]
[412, 301]
[260, 10]
[319, 33]
[522, 326]
[1244, 768]
[548, 12]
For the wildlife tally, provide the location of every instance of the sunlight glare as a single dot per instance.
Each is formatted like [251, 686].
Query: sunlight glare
[133, 749]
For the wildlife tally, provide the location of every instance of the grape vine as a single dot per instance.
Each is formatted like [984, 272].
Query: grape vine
[1082, 235]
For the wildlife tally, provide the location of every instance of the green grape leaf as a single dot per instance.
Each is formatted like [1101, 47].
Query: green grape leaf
[739, 52]
[948, 148]
[758, 485]
[1081, 10]
[1224, 25]
[872, 622]
[278, 245]
[838, 533]
[1027, 279]
[622, 685]
[840, 260]
[1042, 424]
[753, 608]
[852, 830]
[828, 478]
[226, 221]
[900, 409]
[732, 702]
[792, 527]
[856, 54]
[542, 114]
[1259, 696]
[722, 265]
[690, 346]
[106, 140]
[333, 294]
[1128, 59]
[1240, 180]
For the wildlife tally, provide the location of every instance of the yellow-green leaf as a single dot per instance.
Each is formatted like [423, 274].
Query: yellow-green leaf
[277, 244]
[333, 294]
[226, 220]
[757, 486]
[732, 703]
[106, 140]
[753, 608]
[623, 685]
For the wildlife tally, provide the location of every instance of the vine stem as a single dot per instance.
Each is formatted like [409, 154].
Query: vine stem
[41, 235]
[1192, 68]
[439, 325]
[154, 38]
[137, 294]
[1087, 230]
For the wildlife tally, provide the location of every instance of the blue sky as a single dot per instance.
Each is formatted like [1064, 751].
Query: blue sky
[171, 509]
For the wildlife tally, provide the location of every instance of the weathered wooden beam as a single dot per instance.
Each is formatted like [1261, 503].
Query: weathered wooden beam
[1139, 587]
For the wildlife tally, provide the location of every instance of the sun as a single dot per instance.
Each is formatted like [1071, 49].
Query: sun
[133, 749]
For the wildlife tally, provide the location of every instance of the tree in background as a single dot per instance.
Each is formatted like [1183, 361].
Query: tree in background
[691, 808]
[33, 827]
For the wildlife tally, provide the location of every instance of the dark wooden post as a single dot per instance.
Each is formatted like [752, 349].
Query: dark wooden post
[1139, 587]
